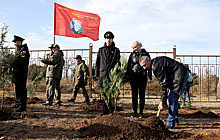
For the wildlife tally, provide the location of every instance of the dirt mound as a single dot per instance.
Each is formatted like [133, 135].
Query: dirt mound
[197, 113]
[117, 127]
[9, 100]
[155, 123]
[209, 135]
[95, 106]
[91, 106]
[5, 115]
[34, 101]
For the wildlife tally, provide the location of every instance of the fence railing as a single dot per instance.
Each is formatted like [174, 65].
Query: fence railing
[206, 69]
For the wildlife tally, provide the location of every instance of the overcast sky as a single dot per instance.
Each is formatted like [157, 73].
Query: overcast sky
[192, 25]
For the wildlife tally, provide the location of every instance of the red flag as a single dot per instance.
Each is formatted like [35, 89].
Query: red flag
[73, 23]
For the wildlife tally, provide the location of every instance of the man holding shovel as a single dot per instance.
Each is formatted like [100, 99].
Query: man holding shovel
[170, 74]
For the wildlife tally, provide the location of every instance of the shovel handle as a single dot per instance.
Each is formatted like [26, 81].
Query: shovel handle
[158, 113]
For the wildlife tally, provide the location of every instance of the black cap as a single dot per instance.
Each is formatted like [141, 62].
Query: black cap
[78, 56]
[109, 34]
[17, 38]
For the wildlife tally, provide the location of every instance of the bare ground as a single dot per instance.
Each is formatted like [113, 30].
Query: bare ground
[78, 121]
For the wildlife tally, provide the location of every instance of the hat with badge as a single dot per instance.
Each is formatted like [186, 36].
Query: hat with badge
[17, 38]
[78, 56]
[109, 34]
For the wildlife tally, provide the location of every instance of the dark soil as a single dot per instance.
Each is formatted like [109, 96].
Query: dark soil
[11, 100]
[155, 123]
[209, 135]
[5, 115]
[72, 121]
[92, 106]
[197, 113]
[95, 106]
[117, 127]
[35, 100]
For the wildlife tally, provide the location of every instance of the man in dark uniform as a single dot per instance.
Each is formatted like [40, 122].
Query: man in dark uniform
[19, 67]
[107, 57]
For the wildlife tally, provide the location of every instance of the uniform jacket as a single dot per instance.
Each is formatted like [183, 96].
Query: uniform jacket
[81, 73]
[55, 63]
[20, 63]
[170, 74]
[134, 69]
[107, 58]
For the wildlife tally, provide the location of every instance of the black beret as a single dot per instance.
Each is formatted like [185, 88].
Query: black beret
[108, 34]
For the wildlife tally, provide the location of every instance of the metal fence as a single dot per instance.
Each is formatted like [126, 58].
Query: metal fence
[206, 70]
[205, 67]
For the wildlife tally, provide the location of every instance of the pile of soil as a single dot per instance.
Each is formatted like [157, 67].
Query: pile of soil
[197, 113]
[11, 100]
[95, 106]
[117, 127]
[35, 100]
[210, 135]
[92, 106]
[5, 115]
[155, 123]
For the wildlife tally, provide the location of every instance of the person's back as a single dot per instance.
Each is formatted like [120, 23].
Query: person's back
[169, 73]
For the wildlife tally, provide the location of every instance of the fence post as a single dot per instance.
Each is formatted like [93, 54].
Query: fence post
[174, 51]
[90, 70]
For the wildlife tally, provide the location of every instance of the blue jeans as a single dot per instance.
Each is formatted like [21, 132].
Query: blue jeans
[173, 109]
[185, 94]
[173, 105]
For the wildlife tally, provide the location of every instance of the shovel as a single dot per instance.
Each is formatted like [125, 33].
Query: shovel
[158, 113]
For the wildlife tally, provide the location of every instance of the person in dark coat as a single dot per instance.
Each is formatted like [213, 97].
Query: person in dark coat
[170, 74]
[19, 67]
[138, 77]
[107, 57]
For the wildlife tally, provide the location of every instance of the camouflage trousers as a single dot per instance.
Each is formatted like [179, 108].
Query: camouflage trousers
[53, 88]
[76, 89]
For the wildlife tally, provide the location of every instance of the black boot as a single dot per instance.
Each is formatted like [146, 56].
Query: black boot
[71, 100]
[20, 109]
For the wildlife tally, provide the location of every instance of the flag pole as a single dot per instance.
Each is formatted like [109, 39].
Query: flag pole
[54, 18]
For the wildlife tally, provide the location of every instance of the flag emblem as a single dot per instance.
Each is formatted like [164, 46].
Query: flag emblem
[75, 26]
